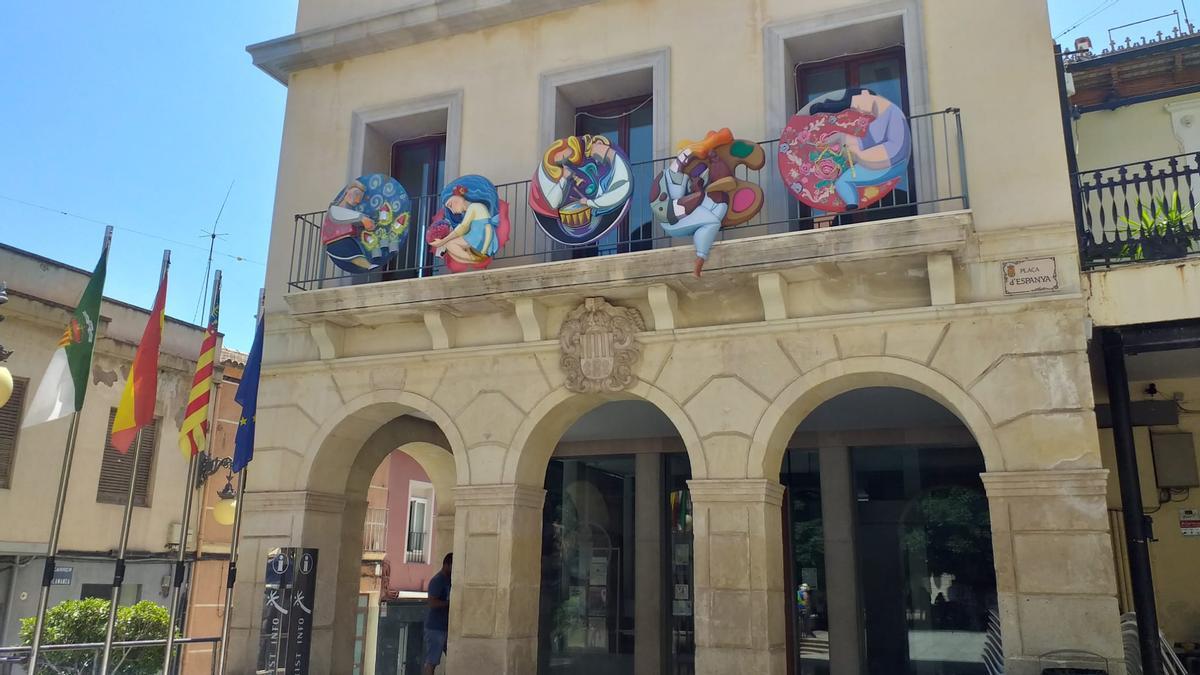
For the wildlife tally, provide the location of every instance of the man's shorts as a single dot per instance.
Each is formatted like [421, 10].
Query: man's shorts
[435, 645]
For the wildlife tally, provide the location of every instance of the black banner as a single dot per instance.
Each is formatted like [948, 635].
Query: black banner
[276, 608]
[300, 619]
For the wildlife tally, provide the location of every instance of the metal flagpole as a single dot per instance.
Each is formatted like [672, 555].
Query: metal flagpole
[119, 571]
[231, 577]
[181, 555]
[52, 547]
[56, 526]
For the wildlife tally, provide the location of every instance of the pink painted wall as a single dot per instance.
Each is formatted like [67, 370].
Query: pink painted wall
[405, 576]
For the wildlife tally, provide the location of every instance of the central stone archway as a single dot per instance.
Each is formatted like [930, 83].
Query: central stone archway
[340, 461]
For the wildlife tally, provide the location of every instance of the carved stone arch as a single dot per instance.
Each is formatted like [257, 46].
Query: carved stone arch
[825, 382]
[336, 446]
[536, 438]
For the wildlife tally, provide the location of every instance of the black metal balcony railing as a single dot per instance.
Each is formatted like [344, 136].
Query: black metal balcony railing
[415, 550]
[1139, 212]
[936, 182]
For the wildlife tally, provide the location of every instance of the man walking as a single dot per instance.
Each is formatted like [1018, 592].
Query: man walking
[437, 621]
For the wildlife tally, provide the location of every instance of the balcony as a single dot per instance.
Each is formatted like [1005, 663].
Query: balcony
[1139, 212]
[416, 550]
[375, 532]
[937, 184]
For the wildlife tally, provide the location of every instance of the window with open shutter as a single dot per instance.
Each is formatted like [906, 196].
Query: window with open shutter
[10, 424]
[115, 469]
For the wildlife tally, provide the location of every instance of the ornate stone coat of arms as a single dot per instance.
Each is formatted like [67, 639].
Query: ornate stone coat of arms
[599, 347]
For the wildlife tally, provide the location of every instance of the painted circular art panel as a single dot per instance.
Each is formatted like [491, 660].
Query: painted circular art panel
[581, 189]
[367, 223]
[845, 150]
[471, 225]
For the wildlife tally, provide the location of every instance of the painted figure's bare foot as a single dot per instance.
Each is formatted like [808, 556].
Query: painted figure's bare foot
[698, 267]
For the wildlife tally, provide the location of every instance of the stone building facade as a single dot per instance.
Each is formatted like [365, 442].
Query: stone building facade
[736, 371]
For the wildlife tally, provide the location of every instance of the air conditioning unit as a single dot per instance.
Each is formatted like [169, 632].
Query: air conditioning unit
[173, 532]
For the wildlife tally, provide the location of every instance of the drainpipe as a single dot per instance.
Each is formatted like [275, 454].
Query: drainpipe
[1131, 502]
[1064, 104]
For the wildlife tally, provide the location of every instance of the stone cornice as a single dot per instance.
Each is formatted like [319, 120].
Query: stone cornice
[737, 490]
[499, 495]
[415, 23]
[910, 315]
[1055, 482]
[295, 501]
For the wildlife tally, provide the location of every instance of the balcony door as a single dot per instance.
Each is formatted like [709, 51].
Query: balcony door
[419, 165]
[883, 72]
[628, 123]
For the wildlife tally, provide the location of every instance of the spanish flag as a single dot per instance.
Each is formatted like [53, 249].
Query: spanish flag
[193, 433]
[136, 409]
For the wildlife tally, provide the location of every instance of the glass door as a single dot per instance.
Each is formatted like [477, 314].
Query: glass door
[882, 72]
[925, 559]
[586, 620]
[808, 613]
[419, 165]
[628, 123]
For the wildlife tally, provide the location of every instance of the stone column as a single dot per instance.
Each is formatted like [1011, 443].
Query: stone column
[272, 520]
[1054, 565]
[443, 537]
[648, 600]
[497, 579]
[740, 598]
[838, 506]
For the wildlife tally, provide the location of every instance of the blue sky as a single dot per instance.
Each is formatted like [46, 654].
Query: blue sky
[1064, 14]
[139, 114]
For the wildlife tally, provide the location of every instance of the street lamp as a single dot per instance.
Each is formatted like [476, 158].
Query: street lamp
[6, 381]
[207, 466]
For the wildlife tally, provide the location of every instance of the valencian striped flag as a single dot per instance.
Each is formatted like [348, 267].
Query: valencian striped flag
[193, 433]
[136, 409]
[61, 390]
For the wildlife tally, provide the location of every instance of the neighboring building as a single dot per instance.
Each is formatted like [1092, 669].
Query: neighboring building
[397, 563]
[1136, 121]
[206, 590]
[646, 466]
[42, 294]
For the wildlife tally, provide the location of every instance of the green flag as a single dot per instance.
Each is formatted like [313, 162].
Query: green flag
[62, 388]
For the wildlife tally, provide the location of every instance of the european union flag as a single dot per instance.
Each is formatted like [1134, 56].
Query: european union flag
[247, 396]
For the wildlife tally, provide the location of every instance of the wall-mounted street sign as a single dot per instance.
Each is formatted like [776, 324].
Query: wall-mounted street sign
[1189, 522]
[62, 575]
[1030, 276]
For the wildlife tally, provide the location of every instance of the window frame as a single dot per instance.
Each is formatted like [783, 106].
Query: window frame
[19, 394]
[118, 499]
[849, 65]
[424, 205]
[621, 107]
[427, 526]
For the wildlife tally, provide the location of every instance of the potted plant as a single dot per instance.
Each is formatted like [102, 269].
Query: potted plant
[1163, 230]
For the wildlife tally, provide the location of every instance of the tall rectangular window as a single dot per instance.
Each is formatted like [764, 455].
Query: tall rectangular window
[420, 166]
[629, 124]
[881, 71]
[416, 547]
[10, 424]
[115, 468]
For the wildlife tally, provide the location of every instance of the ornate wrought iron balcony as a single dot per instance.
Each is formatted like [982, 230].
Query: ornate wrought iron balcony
[936, 183]
[1139, 212]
